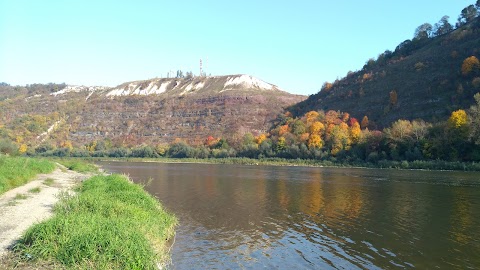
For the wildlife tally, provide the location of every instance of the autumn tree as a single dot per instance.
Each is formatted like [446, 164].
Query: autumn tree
[260, 138]
[458, 119]
[315, 141]
[316, 128]
[311, 116]
[470, 65]
[282, 130]
[22, 149]
[339, 139]
[355, 132]
[364, 123]
[393, 98]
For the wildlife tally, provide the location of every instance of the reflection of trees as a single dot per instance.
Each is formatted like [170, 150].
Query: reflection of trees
[461, 219]
[312, 195]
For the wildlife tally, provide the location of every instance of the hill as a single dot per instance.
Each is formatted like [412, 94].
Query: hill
[422, 78]
[150, 111]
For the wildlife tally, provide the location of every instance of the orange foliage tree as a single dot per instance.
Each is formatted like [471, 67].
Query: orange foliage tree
[470, 65]
[364, 123]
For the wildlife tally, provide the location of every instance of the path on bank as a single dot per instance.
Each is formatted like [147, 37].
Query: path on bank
[32, 203]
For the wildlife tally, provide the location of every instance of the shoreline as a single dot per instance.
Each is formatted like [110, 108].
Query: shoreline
[394, 165]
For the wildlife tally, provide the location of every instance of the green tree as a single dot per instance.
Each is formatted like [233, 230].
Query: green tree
[468, 14]
[424, 31]
[443, 26]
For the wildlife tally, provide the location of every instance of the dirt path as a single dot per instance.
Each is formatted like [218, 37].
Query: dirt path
[24, 206]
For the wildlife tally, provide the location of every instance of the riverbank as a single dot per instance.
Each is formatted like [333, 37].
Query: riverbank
[382, 164]
[103, 222]
[17, 171]
[33, 202]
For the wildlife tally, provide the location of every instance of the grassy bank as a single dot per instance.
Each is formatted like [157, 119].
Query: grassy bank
[385, 164]
[16, 171]
[110, 223]
[77, 164]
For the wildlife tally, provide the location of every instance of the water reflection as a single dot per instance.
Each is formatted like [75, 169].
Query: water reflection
[285, 217]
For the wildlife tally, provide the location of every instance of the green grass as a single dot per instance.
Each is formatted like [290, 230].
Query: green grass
[78, 165]
[48, 181]
[110, 224]
[17, 171]
[35, 190]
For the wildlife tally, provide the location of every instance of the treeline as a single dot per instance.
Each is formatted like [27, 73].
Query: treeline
[324, 136]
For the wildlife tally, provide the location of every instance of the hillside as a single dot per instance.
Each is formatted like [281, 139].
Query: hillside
[422, 79]
[150, 111]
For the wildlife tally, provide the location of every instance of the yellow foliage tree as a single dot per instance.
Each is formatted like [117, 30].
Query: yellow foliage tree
[458, 119]
[22, 149]
[469, 65]
[315, 141]
[317, 127]
[311, 116]
[19, 139]
[355, 132]
[68, 144]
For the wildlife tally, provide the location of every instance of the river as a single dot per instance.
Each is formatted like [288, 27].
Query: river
[250, 217]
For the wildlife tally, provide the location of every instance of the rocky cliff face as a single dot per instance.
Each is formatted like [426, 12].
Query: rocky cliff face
[158, 110]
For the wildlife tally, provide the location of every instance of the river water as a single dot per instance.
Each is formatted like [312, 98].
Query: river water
[251, 217]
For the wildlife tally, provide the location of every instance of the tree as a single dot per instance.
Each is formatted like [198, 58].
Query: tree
[474, 116]
[22, 149]
[443, 26]
[424, 31]
[470, 65]
[281, 144]
[458, 119]
[298, 127]
[316, 128]
[467, 15]
[315, 141]
[364, 123]
[420, 129]
[400, 131]
[311, 116]
[179, 74]
[260, 138]
[355, 132]
[393, 98]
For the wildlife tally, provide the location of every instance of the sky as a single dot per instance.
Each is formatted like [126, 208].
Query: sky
[296, 45]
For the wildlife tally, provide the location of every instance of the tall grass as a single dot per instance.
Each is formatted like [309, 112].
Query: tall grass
[110, 224]
[16, 171]
[78, 165]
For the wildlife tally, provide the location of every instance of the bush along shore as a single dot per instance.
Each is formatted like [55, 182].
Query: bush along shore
[381, 164]
[17, 171]
[109, 223]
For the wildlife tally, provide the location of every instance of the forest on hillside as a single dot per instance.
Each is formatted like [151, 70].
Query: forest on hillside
[424, 75]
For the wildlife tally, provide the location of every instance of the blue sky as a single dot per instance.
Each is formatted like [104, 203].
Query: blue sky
[296, 45]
